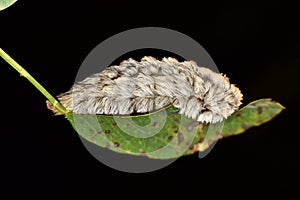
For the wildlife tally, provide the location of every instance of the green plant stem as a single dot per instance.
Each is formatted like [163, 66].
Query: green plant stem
[24, 73]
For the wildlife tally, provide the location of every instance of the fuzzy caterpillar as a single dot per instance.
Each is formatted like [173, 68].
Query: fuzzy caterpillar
[151, 84]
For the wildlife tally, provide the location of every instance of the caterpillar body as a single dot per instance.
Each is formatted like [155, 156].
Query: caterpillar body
[151, 84]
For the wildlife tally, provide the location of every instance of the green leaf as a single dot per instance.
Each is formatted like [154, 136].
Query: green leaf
[254, 114]
[166, 134]
[161, 134]
[6, 3]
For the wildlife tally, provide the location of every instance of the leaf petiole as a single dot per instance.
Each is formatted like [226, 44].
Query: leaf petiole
[24, 73]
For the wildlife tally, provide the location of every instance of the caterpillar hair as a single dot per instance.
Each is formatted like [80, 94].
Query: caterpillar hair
[151, 84]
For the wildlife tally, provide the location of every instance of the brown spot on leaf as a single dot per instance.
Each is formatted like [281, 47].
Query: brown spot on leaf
[259, 109]
[192, 125]
[175, 118]
[116, 144]
[245, 126]
[200, 140]
[154, 123]
[170, 137]
[107, 131]
[114, 123]
[100, 131]
[160, 147]
[180, 137]
[100, 121]
[191, 147]
[144, 154]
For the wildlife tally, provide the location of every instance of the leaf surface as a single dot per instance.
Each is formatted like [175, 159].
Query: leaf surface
[166, 134]
[6, 3]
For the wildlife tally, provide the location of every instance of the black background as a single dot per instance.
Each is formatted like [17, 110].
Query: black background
[256, 43]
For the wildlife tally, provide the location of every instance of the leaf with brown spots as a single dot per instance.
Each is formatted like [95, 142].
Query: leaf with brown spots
[254, 114]
[166, 134]
[161, 135]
